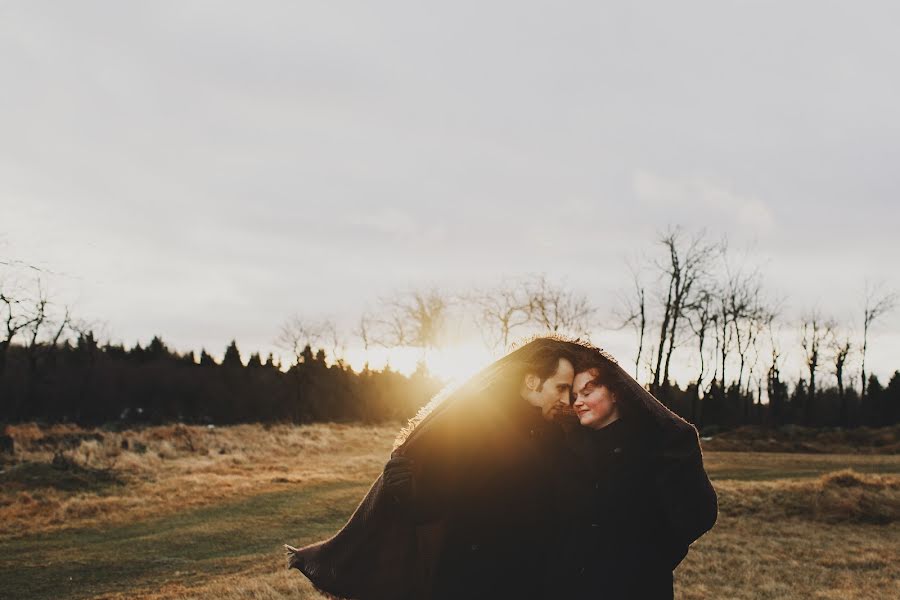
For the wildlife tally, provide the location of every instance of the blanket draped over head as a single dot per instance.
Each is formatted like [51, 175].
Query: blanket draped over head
[382, 554]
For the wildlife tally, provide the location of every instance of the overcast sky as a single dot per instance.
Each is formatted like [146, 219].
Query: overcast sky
[201, 170]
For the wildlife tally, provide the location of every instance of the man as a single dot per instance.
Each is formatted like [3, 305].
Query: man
[492, 486]
[464, 509]
[639, 495]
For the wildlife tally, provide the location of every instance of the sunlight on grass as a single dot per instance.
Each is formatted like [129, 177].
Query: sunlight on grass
[193, 512]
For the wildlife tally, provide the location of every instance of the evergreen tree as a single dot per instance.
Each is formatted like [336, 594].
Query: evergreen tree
[778, 395]
[307, 355]
[112, 350]
[206, 360]
[871, 406]
[890, 404]
[232, 356]
[156, 350]
[799, 398]
[136, 353]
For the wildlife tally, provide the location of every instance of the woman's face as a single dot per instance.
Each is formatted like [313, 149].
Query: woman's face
[594, 403]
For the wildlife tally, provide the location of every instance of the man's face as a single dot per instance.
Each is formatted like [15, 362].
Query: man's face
[594, 403]
[553, 390]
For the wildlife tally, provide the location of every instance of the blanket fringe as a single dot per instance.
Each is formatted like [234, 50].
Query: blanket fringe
[291, 553]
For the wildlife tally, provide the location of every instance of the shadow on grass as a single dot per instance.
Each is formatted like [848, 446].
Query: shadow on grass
[183, 547]
[59, 475]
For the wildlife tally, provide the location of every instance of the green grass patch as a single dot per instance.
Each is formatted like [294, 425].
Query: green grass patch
[184, 547]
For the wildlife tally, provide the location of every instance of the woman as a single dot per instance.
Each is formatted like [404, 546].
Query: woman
[638, 495]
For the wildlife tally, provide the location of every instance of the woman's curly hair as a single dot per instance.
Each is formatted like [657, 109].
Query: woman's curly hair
[605, 371]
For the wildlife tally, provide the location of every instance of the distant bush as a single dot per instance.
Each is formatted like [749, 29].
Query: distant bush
[840, 496]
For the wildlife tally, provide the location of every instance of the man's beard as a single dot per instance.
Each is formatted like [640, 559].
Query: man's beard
[563, 415]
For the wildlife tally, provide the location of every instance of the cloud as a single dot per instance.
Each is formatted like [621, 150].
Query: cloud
[386, 221]
[704, 200]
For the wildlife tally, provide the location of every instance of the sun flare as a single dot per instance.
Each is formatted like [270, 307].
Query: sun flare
[451, 363]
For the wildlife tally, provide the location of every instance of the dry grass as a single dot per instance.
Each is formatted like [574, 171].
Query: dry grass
[208, 509]
[758, 558]
[839, 497]
[164, 469]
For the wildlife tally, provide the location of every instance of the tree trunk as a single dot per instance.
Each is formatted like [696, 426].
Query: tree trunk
[663, 335]
[862, 393]
[637, 361]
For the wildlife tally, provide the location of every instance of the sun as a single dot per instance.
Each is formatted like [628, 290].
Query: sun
[458, 362]
[450, 363]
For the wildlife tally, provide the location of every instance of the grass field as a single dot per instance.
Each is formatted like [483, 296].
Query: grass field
[191, 512]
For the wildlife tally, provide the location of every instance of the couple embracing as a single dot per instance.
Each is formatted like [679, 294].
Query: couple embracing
[550, 474]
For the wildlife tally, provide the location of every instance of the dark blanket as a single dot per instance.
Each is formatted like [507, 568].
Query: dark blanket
[382, 553]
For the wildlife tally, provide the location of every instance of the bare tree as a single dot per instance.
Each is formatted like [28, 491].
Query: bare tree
[335, 337]
[746, 314]
[500, 310]
[840, 349]
[686, 263]
[15, 319]
[298, 333]
[555, 308]
[765, 328]
[364, 332]
[764, 339]
[815, 332]
[29, 314]
[722, 325]
[415, 318]
[741, 316]
[775, 387]
[876, 304]
[700, 317]
[635, 315]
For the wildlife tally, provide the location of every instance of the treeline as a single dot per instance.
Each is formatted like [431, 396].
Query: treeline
[727, 407]
[89, 383]
[695, 307]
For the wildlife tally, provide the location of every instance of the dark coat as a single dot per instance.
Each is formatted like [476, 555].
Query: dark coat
[636, 496]
[482, 516]
[494, 501]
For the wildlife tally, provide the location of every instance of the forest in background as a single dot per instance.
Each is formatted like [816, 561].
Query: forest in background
[691, 299]
[87, 383]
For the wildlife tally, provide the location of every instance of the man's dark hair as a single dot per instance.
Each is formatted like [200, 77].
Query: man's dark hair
[542, 357]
